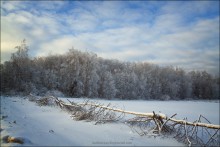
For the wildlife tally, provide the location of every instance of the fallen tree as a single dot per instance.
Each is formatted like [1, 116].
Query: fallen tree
[152, 124]
[158, 116]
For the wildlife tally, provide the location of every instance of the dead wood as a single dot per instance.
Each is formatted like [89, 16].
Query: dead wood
[10, 139]
[152, 123]
[159, 116]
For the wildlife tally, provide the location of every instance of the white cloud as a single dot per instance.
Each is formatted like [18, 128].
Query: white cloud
[155, 32]
[60, 45]
[9, 6]
[11, 36]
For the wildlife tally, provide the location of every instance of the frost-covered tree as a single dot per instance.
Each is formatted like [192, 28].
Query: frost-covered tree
[106, 85]
[83, 74]
[206, 85]
[215, 87]
[21, 68]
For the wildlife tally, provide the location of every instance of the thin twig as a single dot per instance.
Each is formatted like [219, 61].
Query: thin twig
[187, 133]
[212, 136]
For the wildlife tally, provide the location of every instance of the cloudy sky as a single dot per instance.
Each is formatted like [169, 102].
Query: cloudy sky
[183, 34]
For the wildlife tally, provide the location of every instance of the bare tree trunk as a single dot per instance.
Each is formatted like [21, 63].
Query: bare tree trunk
[159, 115]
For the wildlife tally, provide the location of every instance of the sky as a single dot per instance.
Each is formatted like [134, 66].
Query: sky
[178, 33]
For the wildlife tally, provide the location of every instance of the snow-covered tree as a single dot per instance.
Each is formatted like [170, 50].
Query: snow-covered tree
[21, 68]
[83, 74]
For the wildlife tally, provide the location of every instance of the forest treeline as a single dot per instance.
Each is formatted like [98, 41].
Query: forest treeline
[83, 74]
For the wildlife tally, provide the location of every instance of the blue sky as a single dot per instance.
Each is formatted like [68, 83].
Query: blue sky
[178, 33]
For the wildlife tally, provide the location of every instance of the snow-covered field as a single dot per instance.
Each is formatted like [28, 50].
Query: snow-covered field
[51, 126]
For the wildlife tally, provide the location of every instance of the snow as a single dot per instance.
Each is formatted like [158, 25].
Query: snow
[51, 126]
